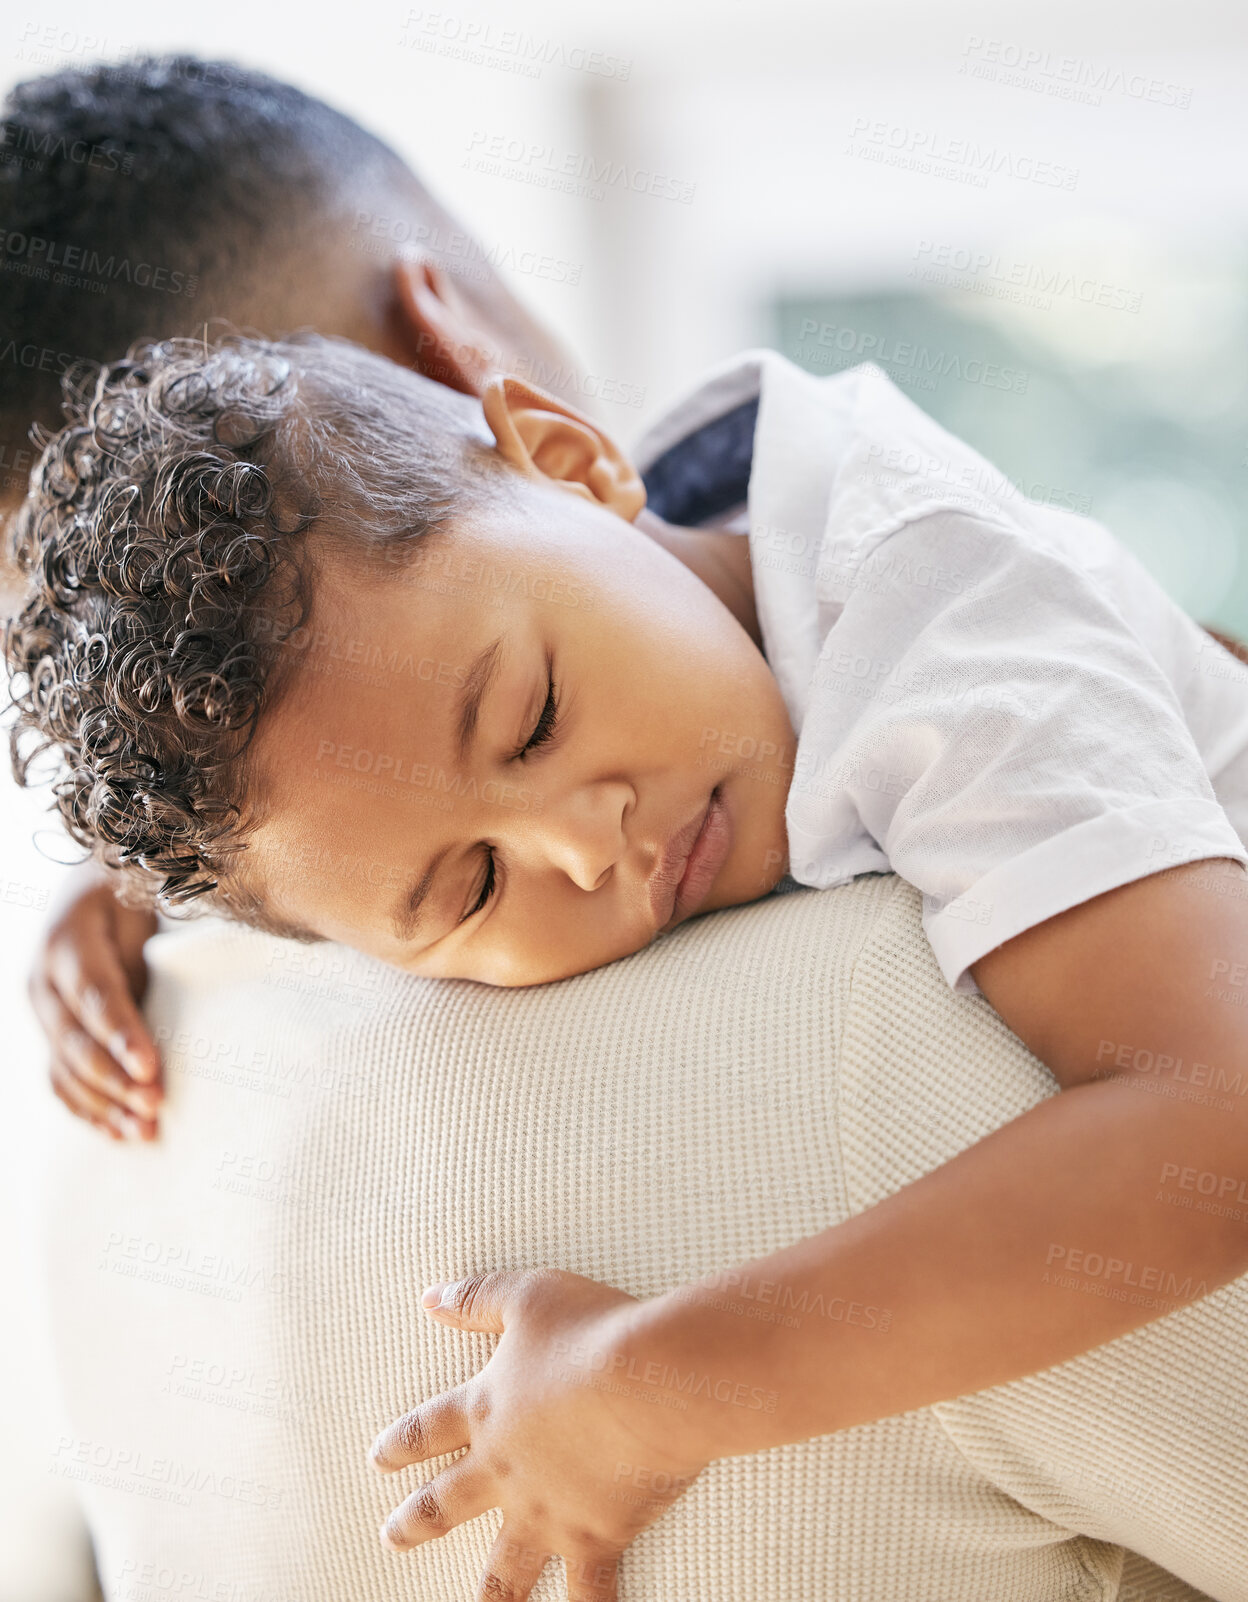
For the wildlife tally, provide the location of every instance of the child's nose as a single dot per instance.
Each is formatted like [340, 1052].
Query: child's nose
[582, 832]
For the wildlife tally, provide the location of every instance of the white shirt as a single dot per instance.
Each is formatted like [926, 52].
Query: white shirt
[992, 697]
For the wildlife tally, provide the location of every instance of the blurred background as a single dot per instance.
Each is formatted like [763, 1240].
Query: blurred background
[1034, 217]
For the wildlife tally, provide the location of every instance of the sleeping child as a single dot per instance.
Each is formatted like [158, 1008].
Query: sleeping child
[286, 598]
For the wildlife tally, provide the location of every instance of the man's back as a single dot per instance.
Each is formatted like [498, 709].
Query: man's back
[240, 1304]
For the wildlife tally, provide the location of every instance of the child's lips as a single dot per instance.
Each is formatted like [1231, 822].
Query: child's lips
[693, 857]
[710, 851]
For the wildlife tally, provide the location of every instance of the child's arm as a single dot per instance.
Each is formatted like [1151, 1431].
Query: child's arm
[967, 1259]
[971, 1258]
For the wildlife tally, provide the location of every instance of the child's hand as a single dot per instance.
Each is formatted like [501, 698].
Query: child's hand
[85, 986]
[557, 1434]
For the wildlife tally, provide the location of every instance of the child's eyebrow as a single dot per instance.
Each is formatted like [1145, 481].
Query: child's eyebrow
[481, 675]
[406, 917]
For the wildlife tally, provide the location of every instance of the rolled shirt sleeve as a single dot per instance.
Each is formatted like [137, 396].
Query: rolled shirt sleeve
[984, 721]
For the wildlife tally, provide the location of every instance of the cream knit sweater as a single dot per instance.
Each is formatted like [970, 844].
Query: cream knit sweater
[237, 1306]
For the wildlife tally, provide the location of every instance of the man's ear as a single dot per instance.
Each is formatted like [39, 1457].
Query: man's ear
[444, 341]
[544, 438]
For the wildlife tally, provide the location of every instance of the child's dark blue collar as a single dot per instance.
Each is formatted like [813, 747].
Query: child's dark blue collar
[707, 473]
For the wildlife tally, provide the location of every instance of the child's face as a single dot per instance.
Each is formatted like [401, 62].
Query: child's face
[662, 698]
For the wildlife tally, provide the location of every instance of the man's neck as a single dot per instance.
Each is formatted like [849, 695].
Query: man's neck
[720, 559]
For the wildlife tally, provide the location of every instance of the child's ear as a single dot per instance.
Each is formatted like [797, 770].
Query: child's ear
[544, 438]
[444, 341]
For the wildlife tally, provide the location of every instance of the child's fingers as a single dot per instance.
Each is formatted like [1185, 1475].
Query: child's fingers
[89, 1104]
[460, 1493]
[512, 1568]
[91, 1064]
[88, 1061]
[68, 1101]
[436, 1427]
[592, 1575]
[93, 980]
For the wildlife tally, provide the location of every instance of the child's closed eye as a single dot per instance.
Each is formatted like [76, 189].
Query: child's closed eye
[548, 720]
[543, 733]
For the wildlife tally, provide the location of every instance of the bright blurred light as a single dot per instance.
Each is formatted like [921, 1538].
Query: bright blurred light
[1184, 536]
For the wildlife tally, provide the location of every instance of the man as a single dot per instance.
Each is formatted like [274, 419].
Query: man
[148, 198]
[226, 195]
[237, 1307]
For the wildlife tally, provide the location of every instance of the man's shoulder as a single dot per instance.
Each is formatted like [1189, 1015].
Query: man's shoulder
[924, 1072]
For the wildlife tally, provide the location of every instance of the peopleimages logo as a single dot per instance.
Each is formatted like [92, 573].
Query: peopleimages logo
[401, 770]
[24, 147]
[132, 1469]
[666, 1376]
[962, 160]
[81, 267]
[1018, 65]
[548, 166]
[1122, 1273]
[507, 49]
[911, 361]
[987, 272]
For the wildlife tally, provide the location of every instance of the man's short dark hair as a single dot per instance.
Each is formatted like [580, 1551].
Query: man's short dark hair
[137, 197]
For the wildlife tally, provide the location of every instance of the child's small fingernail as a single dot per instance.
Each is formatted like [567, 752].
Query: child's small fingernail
[140, 1062]
[389, 1537]
[432, 1297]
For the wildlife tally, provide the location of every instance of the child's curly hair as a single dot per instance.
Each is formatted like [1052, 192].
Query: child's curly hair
[165, 545]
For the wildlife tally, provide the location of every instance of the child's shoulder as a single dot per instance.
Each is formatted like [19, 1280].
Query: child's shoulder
[900, 468]
[899, 463]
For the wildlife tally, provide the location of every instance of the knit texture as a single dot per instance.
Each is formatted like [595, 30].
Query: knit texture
[237, 1307]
